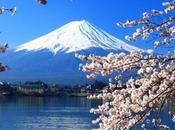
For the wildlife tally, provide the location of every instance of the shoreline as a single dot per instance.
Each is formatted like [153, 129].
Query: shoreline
[45, 94]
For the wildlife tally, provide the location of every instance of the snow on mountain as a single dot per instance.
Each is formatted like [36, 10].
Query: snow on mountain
[76, 36]
[51, 57]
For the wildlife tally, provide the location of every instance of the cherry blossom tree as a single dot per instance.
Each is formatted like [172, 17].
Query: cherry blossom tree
[2, 50]
[13, 12]
[127, 104]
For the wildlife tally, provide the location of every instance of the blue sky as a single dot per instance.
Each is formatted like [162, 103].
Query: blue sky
[33, 20]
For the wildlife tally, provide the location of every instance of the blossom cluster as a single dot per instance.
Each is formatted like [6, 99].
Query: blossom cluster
[43, 2]
[12, 10]
[157, 22]
[121, 62]
[2, 50]
[124, 108]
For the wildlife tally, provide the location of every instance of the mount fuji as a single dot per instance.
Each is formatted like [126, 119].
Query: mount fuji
[51, 58]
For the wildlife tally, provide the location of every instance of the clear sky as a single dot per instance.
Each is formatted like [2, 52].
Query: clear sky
[33, 20]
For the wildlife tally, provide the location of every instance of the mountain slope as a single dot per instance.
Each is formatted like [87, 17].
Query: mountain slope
[76, 36]
[51, 57]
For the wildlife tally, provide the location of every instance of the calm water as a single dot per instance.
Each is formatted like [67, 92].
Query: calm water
[46, 113]
[53, 113]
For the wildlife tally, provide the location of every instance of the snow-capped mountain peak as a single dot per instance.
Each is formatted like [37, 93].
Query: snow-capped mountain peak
[76, 36]
[33, 60]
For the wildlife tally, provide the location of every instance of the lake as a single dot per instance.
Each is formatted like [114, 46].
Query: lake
[53, 113]
[46, 113]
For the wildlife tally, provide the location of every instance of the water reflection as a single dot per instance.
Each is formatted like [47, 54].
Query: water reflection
[46, 113]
